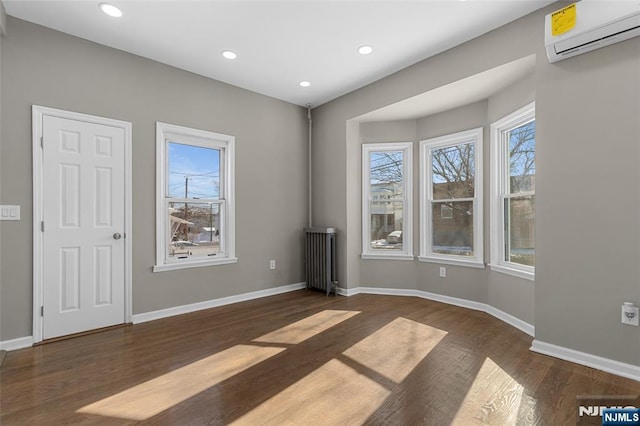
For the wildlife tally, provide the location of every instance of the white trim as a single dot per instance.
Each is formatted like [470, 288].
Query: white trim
[474, 136]
[348, 291]
[629, 371]
[453, 262]
[513, 272]
[407, 208]
[207, 139]
[622, 369]
[463, 303]
[195, 264]
[3, 20]
[496, 191]
[15, 344]
[387, 256]
[213, 303]
[521, 325]
[38, 113]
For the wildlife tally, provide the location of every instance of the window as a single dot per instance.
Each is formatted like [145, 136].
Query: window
[194, 198]
[451, 199]
[513, 185]
[386, 201]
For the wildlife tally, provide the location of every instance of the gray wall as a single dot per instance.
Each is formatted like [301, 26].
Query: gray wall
[44, 67]
[463, 282]
[587, 204]
[398, 274]
[512, 295]
[3, 22]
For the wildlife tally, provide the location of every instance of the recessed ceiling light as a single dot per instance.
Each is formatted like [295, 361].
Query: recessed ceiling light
[110, 10]
[305, 83]
[365, 50]
[229, 54]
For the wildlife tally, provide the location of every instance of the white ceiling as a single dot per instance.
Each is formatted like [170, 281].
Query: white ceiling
[280, 43]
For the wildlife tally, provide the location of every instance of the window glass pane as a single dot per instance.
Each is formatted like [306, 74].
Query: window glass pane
[194, 230]
[520, 227]
[386, 177]
[386, 225]
[453, 235]
[522, 155]
[453, 171]
[194, 172]
[386, 169]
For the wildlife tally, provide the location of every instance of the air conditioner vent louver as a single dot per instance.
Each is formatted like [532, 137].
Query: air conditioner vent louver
[597, 24]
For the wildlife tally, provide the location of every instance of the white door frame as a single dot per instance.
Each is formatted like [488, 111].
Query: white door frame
[38, 113]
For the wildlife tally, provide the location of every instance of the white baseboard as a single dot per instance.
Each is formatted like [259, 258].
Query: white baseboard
[464, 303]
[14, 344]
[348, 291]
[610, 366]
[185, 309]
[511, 320]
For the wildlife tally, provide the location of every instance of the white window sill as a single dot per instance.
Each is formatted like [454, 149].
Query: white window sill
[531, 276]
[194, 264]
[387, 256]
[454, 262]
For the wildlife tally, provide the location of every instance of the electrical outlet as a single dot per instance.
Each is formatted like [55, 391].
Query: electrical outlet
[272, 264]
[630, 315]
[443, 272]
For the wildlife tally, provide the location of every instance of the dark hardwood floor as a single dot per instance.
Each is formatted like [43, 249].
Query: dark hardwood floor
[302, 358]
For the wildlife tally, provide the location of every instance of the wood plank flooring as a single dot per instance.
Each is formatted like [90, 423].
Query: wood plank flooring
[302, 358]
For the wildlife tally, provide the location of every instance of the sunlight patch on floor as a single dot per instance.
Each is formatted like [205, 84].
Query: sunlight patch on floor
[306, 328]
[154, 396]
[493, 398]
[334, 394]
[397, 348]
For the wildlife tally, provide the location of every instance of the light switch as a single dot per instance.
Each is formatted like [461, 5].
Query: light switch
[9, 212]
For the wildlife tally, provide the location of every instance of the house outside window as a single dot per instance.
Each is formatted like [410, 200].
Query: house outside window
[451, 199]
[195, 198]
[513, 184]
[386, 201]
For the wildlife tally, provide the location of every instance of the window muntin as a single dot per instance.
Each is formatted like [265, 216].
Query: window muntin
[195, 198]
[513, 193]
[387, 200]
[451, 203]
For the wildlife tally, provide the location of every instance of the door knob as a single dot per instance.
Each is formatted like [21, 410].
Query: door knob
[117, 236]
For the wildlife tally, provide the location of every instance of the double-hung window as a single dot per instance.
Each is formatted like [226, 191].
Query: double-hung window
[513, 185]
[451, 199]
[386, 201]
[194, 198]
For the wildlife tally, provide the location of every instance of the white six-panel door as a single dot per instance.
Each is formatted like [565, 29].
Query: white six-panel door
[83, 209]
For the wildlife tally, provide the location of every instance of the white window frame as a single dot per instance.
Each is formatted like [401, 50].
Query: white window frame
[407, 207]
[474, 136]
[499, 186]
[166, 133]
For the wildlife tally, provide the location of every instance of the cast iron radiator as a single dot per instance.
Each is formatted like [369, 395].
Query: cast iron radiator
[320, 259]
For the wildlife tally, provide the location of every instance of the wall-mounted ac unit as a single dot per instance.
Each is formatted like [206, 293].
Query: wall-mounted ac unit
[588, 25]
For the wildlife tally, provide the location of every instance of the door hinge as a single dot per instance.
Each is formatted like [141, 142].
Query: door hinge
[41, 141]
[42, 226]
[41, 311]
